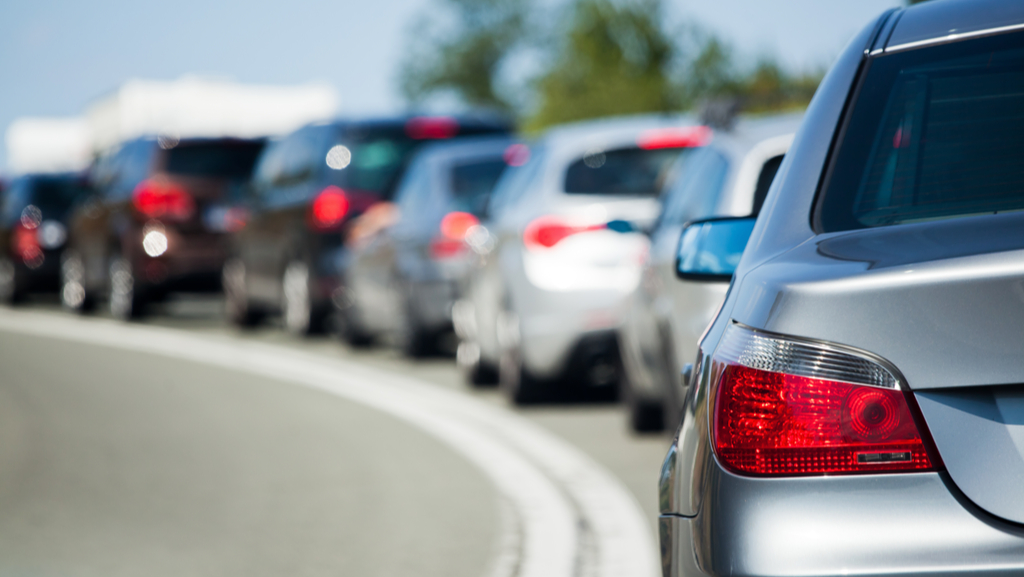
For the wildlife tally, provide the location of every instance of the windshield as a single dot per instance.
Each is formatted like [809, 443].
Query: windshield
[936, 133]
[472, 183]
[234, 160]
[624, 171]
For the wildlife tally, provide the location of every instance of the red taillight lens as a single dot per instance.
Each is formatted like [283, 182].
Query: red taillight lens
[674, 138]
[774, 414]
[429, 127]
[164, 200]
[25, 245]
[329, 209]
[547, 231]
[451, 242]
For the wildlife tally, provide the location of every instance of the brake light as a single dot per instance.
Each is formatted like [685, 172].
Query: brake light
[26, 246]
[162, 199]
[547, 231]
[516, 154]
[329, 209]
[790, 407]
[451, 242]
[688, 137]
[428, 127]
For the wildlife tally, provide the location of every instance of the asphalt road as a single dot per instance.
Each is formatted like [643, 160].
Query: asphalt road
[164, 449]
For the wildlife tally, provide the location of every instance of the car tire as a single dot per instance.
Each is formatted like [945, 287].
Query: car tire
[301, 318]
[127, 300]
[73, 294]
[475, 371]
[11, 291]
[237, 308]
[645, 415]
[516, 382]
[414, 341]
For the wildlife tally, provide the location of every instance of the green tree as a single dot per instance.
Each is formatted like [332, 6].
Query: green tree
[615, 59]
[465, 56]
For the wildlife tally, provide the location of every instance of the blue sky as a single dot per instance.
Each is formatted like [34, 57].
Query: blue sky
[58, 55]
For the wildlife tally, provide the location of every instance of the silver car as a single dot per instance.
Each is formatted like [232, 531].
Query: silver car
[858, 407]
[404, 276]
[727, 177]
[549, 296]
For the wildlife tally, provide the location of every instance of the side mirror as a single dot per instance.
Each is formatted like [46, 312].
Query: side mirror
[710, 250]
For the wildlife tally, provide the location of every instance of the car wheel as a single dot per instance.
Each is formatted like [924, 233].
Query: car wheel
[73, 294]
[236, 296]
[514, 379]
[413, 340]
[10, 292]
[475, 370]
[300, 317]
[127, 301]
[645, 415]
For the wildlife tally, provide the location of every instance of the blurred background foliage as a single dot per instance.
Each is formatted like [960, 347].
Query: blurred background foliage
[592, 58]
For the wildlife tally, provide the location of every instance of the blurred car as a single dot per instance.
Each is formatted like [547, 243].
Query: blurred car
[33, 229]
[311, 191]
[544, 305]
[156, 223]
[729, 176]
[404, 279]
[857, 405]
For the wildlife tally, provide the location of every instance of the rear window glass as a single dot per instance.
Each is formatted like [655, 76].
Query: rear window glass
[472, 183]
[624, 171]
[215, 160]
[936, 133]
[694, 194]
[374, 159]
[56, 194]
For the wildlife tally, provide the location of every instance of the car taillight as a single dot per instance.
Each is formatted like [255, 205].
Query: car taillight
[790, 407]
[451, 241]
[25, 244]
[687, 137]
[329, 209]
[431, 127]
[547, 231]
[164, 200]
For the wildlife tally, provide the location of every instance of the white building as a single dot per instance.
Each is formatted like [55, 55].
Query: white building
[48, 145]
[198, 107]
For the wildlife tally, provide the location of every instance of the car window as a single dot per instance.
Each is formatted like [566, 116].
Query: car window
[14, 200]
[413, 195]
[515, 181]
[269, 166]
[625, 171]
[764, 182]
[695, 193]
[471, 183]
[231, 160]
[54, 195]
[935, 133]
[300, 158]
[132, 165]
[369, 159]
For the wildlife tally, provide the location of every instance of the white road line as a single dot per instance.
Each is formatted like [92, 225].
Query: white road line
[565, 516]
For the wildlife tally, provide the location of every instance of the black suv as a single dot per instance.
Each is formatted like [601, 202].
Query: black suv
[311, 191]
[33, 230]
[157, 223]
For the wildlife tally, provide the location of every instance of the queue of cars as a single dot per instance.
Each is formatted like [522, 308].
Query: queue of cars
[826, 307]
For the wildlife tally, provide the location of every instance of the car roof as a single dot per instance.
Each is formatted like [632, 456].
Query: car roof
[467, 147]
[940, 21]
[474, 120]
[578, 137]
[750, 131]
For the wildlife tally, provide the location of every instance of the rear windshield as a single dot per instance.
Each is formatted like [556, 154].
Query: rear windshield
[234, 160]
[53, 196]
[624, 171]
[472, 183]
[936, 133]
[374, 159]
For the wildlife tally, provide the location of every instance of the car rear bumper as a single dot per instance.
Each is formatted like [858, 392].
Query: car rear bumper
[904, 524]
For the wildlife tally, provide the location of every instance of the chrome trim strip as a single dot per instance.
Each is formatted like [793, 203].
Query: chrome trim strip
[953, 38]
